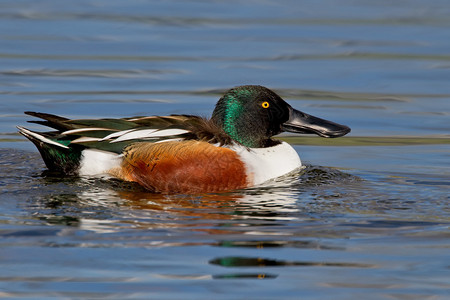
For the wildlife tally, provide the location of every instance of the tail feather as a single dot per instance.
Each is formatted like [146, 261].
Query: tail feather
[57, 157]
[52, 121]
[36, 137]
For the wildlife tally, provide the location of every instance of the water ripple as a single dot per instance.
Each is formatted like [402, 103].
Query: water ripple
[173, 20]
[91, 73]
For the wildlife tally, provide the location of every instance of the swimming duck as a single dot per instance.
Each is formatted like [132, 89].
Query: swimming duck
[234, 149]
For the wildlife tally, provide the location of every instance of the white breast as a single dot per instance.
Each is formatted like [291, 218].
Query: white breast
[98, 162]
[264, 164]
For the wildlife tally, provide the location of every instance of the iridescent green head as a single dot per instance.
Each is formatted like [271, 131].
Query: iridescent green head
[252, 114]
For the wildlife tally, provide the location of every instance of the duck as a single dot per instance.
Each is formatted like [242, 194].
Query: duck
[232, 150]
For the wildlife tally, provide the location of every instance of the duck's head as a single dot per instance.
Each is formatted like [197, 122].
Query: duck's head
[252, 114]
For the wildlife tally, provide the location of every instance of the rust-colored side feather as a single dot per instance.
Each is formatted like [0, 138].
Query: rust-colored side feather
[183, 167]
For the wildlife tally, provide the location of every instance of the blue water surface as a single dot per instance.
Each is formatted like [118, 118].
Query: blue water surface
[367, 220]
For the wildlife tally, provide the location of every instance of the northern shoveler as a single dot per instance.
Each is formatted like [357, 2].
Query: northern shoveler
[184, 153]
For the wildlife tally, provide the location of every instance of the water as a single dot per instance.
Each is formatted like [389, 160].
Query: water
[368, 218]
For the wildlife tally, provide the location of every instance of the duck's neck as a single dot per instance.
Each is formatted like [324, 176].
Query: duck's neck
[230, 115]
[241, 132]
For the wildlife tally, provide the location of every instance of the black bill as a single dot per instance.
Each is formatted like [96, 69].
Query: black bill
[299, 122]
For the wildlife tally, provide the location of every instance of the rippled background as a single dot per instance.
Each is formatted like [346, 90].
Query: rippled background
[367, 219]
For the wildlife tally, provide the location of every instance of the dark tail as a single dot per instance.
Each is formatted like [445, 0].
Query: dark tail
[57, 156]
[52, 121]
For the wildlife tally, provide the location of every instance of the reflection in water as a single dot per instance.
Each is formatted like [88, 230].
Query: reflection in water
[255, 218]
[298, 196]
[246, 276]
[278, 244]
[223, 276]
[266, 262]
[108, 205]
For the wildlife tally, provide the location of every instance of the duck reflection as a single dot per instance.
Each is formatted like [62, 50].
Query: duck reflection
[235, 261]
[257, 218]
[105, 205]
[254, 211]
[92, 203]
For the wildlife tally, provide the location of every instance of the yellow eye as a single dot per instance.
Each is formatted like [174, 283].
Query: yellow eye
[265, 104]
